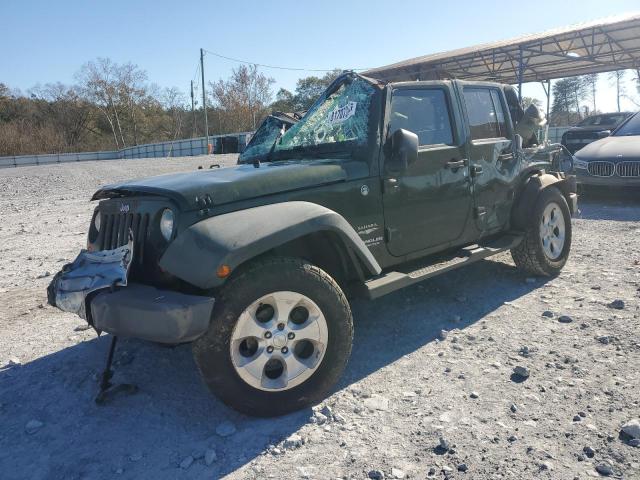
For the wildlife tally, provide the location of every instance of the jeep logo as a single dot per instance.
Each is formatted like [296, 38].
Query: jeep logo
[124, 208]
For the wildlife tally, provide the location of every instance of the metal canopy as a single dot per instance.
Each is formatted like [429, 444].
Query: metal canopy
[600, 46]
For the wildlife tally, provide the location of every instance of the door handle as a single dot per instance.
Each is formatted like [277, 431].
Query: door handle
[505, 157]
[475, 170]
[455, 164]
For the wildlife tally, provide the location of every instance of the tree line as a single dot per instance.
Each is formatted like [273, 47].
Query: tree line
[112, 106]
[574, 98]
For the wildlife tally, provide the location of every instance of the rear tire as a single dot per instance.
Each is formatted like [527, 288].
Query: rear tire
[547, 241]
[279, 339]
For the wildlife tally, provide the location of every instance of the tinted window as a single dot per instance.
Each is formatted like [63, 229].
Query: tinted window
[423, 112]
[612, 119]
[486, 116]
[632, 127]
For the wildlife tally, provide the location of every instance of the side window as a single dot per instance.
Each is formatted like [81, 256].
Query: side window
[486, 116]
[424, 112]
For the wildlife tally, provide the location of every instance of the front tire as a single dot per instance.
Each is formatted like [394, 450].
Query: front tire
[547, 241]
[279, 339]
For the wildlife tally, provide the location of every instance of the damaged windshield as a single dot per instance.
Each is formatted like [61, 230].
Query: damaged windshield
[341, 116]
[264, 138]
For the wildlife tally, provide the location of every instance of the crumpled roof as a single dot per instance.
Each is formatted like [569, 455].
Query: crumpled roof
[603, 45]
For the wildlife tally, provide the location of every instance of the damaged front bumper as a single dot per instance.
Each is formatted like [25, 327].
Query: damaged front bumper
[95, 286]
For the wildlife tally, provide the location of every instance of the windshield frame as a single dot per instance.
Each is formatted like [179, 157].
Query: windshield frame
[623, 124]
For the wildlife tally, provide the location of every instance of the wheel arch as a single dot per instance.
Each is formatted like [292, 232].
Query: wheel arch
[314, 232]
[530, 189]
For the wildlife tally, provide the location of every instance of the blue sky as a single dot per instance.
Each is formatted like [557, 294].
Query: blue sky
[46, 41]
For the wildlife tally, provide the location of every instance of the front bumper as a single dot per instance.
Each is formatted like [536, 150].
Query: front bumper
[141, 311]
[584, 178]
[95, 287]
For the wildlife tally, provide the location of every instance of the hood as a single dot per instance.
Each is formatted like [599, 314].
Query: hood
[612, 148]
[206, 188]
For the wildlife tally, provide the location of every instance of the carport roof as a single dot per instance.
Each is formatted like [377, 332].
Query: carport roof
[603, 45]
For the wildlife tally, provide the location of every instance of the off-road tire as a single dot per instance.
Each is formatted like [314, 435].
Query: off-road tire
[529, 255]
[262, 277]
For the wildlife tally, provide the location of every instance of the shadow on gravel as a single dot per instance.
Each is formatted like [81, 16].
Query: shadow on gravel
[149, 434]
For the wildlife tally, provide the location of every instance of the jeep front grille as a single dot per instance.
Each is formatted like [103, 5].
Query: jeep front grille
[115, 228]
[601, 169]
[628, 169]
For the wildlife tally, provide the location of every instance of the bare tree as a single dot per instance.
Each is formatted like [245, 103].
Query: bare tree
[590, 82]
[118, 91]
[243, 98]
[98, 83]
[616, 79]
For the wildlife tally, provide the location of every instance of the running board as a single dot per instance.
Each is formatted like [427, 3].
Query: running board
[392, 281]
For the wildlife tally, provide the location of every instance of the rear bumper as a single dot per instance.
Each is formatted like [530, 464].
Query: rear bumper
[141, 311]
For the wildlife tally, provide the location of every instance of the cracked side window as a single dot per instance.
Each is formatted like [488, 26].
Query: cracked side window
[263, 139]
[343, 116]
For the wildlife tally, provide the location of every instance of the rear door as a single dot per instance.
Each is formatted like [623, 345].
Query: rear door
[427, 204]
[492, 163]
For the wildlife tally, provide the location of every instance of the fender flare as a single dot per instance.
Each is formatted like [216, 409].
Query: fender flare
[233, 238]
[532, 187]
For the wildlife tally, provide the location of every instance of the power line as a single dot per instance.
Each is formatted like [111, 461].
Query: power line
[277, 67]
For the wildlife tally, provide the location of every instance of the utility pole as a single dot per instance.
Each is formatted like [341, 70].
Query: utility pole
[204, 99]
[193, 111]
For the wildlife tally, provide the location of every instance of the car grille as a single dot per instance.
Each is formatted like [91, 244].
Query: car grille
[115, 228]
[601, 169]
[628, 169]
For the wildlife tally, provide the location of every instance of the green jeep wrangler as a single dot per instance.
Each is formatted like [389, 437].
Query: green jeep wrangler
[377, 187]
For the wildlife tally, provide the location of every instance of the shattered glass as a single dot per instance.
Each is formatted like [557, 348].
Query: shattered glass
[263, 139]
[343, 116]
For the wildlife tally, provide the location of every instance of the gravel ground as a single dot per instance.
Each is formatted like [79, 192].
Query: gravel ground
[429, 391]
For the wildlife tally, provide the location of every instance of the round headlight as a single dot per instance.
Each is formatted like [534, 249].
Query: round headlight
[166, 224]
[96, 221]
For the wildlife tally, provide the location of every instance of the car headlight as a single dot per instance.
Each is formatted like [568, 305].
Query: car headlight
[579, 163]
[96, 221]
[166, 223]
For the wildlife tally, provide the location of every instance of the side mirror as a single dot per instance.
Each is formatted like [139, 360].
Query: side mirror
[603, 133]
[404, 149]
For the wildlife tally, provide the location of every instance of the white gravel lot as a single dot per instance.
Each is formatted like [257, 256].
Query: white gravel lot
[403, 390]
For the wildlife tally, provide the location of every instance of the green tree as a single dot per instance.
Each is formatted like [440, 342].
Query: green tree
[285, 101]
[308, 89]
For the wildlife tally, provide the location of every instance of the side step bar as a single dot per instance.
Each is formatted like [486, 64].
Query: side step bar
[392, 281]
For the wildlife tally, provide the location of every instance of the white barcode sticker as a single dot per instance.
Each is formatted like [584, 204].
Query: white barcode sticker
[339, 115]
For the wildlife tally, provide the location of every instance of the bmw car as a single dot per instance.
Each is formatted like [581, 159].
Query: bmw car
[591, 129]
[612, 161]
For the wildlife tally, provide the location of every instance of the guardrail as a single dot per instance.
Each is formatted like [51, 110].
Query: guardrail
[189, 147]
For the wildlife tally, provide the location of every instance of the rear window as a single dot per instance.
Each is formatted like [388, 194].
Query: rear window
[485, 112]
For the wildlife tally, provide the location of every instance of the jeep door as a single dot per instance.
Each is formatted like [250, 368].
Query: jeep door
[493, 166]
[426, 203]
